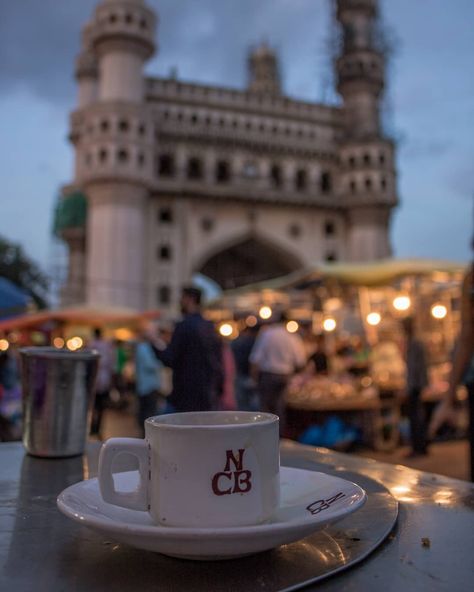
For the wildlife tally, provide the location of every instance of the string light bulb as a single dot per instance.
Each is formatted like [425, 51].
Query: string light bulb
[329, 324]
[439, 311]
[265, 312]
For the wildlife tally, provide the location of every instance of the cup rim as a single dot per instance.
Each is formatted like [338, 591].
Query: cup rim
[42, 351]
[165, 421]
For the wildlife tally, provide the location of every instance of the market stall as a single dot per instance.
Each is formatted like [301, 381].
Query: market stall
[71, 326]
[358, 308]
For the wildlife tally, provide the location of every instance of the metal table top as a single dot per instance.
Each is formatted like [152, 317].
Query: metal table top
[431, 548]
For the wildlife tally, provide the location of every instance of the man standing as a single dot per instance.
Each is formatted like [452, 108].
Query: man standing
[147, 379]
[276, 356]
[195, 356]
[416, 381]
[104, 379]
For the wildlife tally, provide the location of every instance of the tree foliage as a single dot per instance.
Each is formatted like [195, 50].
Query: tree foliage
[19, 269]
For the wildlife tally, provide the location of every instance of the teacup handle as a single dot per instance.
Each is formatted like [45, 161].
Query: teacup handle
[134, 500]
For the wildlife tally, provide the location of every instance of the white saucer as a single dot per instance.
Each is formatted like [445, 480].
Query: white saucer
[309, 502]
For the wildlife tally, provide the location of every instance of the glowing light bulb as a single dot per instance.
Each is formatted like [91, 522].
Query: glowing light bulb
[4, 345]
[58, 342]
[70, 344]
[439, 311]
[265, 312]
[74, 343]
[251, 321]
[292, 326]
[329, 325]
[226, 330]
[401, 303]
[373, 318]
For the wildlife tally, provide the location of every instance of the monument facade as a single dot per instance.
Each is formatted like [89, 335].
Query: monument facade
[174, 178]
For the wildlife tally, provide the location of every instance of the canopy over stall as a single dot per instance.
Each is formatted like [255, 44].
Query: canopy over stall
[376, 273]
[78, 315]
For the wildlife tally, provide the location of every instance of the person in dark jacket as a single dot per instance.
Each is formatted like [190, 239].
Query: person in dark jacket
[416, 381]
[195, 356]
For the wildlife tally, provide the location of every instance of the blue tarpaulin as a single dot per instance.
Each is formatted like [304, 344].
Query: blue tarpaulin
[13, 300]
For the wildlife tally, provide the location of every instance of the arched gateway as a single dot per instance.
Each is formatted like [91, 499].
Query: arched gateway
[249, 260]
[171, 170]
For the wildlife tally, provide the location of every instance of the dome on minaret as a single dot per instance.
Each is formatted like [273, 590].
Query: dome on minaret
[264, 70]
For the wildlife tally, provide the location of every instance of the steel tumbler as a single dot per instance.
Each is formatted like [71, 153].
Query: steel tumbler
[58, 396]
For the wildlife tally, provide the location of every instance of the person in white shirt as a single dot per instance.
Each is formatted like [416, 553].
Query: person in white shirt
[275, 357]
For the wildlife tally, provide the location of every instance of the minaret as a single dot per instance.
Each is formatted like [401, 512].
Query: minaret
[264, 71]
[70, 216]
[367, 157]
[113, 137]
[87, 71]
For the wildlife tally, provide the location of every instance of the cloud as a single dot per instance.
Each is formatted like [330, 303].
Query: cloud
[39, 41]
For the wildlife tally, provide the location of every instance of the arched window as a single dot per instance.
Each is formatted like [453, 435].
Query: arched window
[352, 161]
[164, 295]
[326, 182]
[141, 129]
[301, 180]
[122, 155]
[366, 159]
[103, 155]
[195, 170]
[166, 166]
[368, 184]
[329, 228]
[165, 215]
[123, 125]
[383, 183]
[222, 171]
[382, 158]
[128, 18]
[353, 186]
[104, 125]
[276, 176]
[141, 159]
[164, 252]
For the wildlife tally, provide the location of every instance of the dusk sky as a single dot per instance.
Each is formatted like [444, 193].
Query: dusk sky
[431, 89]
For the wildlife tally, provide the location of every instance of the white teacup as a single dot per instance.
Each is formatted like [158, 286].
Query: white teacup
[203, 469]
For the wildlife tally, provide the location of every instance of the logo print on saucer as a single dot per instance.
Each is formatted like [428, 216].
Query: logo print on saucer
[230, 481]
[324, 504]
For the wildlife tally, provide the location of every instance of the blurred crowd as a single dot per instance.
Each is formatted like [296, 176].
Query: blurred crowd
[191, 367]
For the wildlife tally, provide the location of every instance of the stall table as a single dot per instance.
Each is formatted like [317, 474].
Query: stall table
[42, 550]
[379, 416]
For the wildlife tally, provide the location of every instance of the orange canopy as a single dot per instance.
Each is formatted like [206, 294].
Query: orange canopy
[79, 315]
